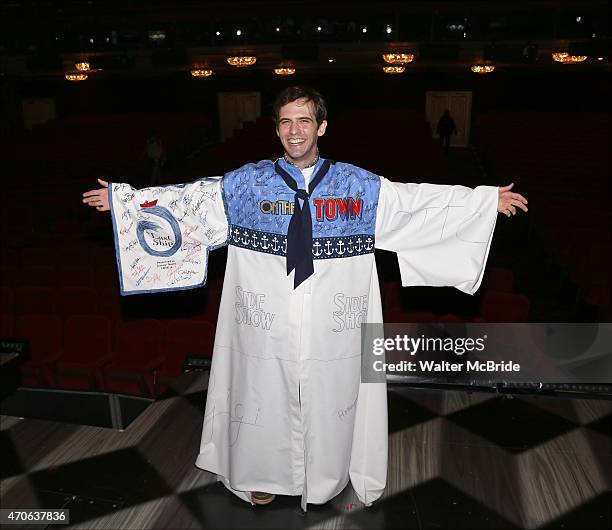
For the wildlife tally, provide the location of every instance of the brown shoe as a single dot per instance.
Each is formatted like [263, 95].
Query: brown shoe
[259, 497]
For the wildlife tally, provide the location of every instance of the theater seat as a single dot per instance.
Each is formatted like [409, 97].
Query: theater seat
[499, 280]
[9, 257]
[397, 315]
[504, 307]
[44, 334]
[75, 276]
[391, 295]
[6, 325]
[34, 301]
[181, 339]
[37, 276]
[76, 301]
[9, 275]
[86, 352]
[109, 302]
[137, 355]
[451, 318]
[6, 298]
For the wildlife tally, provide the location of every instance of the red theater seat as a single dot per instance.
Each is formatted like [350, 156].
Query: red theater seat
[39, 276]
[181, 339]
[391, 295]
[9, 257]
[44, 334]
[504, 307]
[86, 352]
[38, 256]
[103, 256]
[451, 318]
[397, 315]
[211, 303]
[76, 277]
[499, 280]
[107, 276]
[6, 325]
[109, 302]
[34, 300]
[137, 348]
[9, 276]
[6, 299]
[76, 301]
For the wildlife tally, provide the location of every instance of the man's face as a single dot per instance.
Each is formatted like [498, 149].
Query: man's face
[298, 131]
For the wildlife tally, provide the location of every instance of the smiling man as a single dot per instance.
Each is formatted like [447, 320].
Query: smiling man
[299, 123]
[287, 412]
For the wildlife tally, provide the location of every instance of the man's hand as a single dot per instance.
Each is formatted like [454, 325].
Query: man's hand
[508, 201]
[98, 198]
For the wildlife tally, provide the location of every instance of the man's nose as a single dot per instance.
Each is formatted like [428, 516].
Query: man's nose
[293, 128]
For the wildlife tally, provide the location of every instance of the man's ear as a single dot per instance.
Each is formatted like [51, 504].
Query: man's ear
[277, 133]
[322, 128]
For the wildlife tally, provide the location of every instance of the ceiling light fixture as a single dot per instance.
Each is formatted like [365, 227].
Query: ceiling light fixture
[201, 72]
[285, 70]
[76, 77]
[566, 58]
[241, 61]
[398, 58]
[394, 69]
[482, 68]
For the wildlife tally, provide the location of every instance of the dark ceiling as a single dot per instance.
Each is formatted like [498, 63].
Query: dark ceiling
[44, 39]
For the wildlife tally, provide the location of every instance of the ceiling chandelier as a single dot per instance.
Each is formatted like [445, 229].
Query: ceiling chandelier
[83, 67]
[398, 58]
[566, 58]
[76, 77]
[482, 68]
[242, 60]
[394, 69]
[285, 70]
[201, 72]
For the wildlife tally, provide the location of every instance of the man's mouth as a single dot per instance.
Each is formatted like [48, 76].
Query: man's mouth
[295, 141]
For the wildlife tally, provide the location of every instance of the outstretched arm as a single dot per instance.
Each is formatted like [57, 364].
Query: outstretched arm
[163, 234]
[509, 201]
[441, 234]
[98, 198]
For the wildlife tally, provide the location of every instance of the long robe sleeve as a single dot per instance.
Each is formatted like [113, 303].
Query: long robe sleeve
[441, 233]
[163, 234]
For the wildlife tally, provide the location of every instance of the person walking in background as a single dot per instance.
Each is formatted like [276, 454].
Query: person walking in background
[446, 127]
[154, 154]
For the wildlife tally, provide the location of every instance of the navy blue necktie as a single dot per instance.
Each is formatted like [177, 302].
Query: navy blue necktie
[299, 233]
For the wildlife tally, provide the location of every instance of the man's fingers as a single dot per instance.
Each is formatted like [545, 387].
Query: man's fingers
[98, 199]
[91, 198]
[506, 188]
[519, 204]
[519, 197]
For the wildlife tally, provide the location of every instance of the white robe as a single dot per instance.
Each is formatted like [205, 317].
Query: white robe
[286, 412]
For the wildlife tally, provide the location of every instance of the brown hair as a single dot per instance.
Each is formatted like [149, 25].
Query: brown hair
[294, 93]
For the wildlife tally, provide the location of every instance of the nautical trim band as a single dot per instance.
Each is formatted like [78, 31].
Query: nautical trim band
[322, 247]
